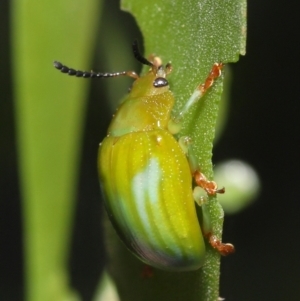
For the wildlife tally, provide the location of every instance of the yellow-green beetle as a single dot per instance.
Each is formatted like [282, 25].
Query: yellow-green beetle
[147, 175]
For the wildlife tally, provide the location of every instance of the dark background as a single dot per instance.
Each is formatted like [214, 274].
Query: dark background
[262, 129]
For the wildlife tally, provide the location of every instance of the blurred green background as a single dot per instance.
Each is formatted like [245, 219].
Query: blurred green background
[262, 129]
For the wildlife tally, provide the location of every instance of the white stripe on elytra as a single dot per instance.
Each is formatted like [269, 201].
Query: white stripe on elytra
[145, 186]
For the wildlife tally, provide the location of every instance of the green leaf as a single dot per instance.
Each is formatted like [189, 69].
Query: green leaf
[193, 35]
[49, 115]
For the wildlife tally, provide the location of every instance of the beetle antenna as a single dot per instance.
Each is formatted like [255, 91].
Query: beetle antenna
[138, 56]
[91, 74]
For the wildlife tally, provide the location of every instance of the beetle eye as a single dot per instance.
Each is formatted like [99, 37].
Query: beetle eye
[160, 82]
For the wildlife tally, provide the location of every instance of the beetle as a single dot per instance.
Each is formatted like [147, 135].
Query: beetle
[147, 175]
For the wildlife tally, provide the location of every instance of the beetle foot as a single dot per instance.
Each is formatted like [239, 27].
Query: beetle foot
[210, 187]
[223, 249]
[147, 272]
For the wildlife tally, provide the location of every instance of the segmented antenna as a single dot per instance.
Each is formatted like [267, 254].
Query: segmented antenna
[90, 74]
[138, 56]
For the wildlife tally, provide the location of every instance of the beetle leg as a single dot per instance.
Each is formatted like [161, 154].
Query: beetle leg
[200, 196]
[223, 249]
[210, 187]
[214, 73]
[147, 272]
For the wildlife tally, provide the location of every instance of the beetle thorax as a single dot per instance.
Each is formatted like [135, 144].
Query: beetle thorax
[145, 108]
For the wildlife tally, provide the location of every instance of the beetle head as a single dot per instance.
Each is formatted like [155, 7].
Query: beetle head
[160, 72]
